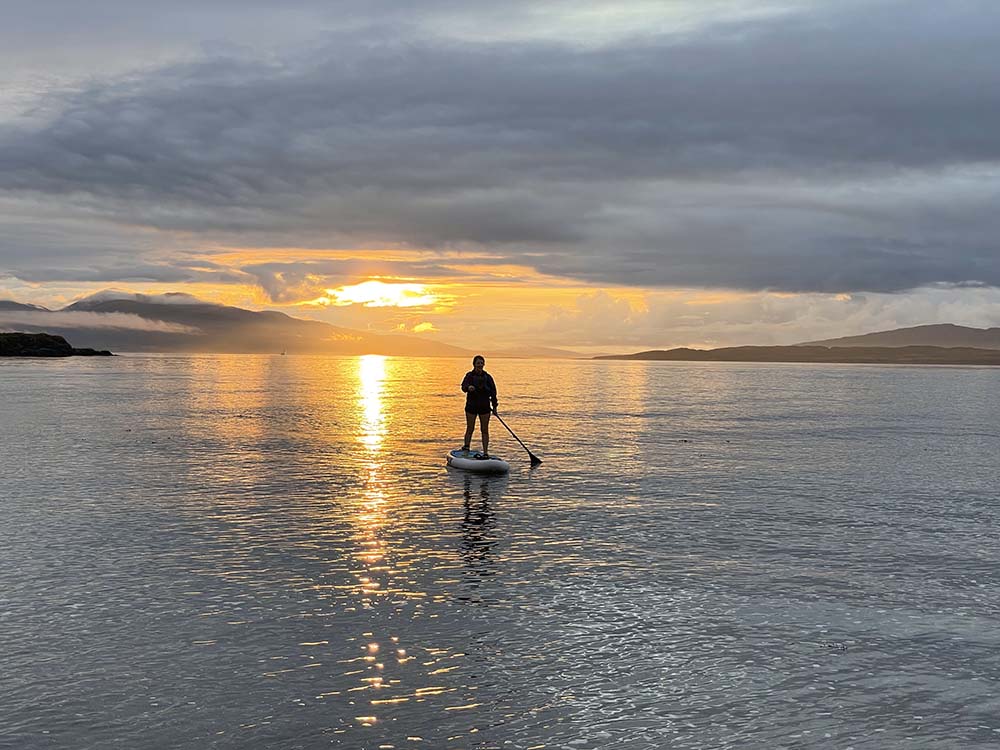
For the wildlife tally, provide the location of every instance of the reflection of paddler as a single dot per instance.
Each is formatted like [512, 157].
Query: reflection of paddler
[480, 399]
[477, 528]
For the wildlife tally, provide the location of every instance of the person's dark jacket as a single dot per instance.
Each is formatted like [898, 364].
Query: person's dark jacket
[484, 396]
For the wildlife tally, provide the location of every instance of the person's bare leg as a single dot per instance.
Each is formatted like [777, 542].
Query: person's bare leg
[484, 427]
[470, 426]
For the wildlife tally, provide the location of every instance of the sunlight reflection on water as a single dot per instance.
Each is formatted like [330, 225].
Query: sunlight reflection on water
[241, 552]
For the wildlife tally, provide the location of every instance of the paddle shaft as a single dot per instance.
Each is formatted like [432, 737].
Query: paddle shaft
[535, 460]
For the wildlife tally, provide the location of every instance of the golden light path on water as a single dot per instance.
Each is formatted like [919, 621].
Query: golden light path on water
[370, 517]
[381, 664]
[371, 376]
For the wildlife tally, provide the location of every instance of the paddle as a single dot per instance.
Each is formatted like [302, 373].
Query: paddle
[535, 460]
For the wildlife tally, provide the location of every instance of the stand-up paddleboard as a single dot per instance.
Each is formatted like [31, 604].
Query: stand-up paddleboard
[474, 461]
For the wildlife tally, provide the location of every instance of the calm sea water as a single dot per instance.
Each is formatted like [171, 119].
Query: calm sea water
[268, 552]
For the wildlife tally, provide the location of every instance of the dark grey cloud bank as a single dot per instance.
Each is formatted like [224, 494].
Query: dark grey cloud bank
[847, 147]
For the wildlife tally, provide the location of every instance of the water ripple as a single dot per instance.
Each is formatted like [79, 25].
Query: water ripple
[230, 552]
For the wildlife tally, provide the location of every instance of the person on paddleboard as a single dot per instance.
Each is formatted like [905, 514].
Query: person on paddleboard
[480, 399]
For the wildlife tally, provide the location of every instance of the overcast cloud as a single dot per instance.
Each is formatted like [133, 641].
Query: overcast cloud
[791, 146]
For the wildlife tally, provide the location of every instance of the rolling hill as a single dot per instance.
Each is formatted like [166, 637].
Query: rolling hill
[901, 355]
[944, 334]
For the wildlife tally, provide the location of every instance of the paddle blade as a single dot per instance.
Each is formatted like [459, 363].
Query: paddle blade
[535, 460]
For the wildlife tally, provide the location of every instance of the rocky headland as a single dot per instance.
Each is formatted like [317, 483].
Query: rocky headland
[43, 345]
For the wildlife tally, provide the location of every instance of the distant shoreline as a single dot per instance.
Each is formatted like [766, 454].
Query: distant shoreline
[903, 355]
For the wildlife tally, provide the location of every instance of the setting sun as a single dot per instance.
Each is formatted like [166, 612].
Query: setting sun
[375, 293]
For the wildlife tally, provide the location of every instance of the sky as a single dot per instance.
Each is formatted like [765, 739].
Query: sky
[597, 176]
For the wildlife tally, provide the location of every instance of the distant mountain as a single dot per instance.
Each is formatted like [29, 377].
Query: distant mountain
[945, 334]
[6, 304]
[904, 355]
[179, 323]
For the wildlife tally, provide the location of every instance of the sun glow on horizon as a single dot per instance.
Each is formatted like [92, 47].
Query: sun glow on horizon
[376, 293]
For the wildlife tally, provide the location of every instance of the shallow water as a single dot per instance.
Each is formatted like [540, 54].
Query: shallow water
[232, 552]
